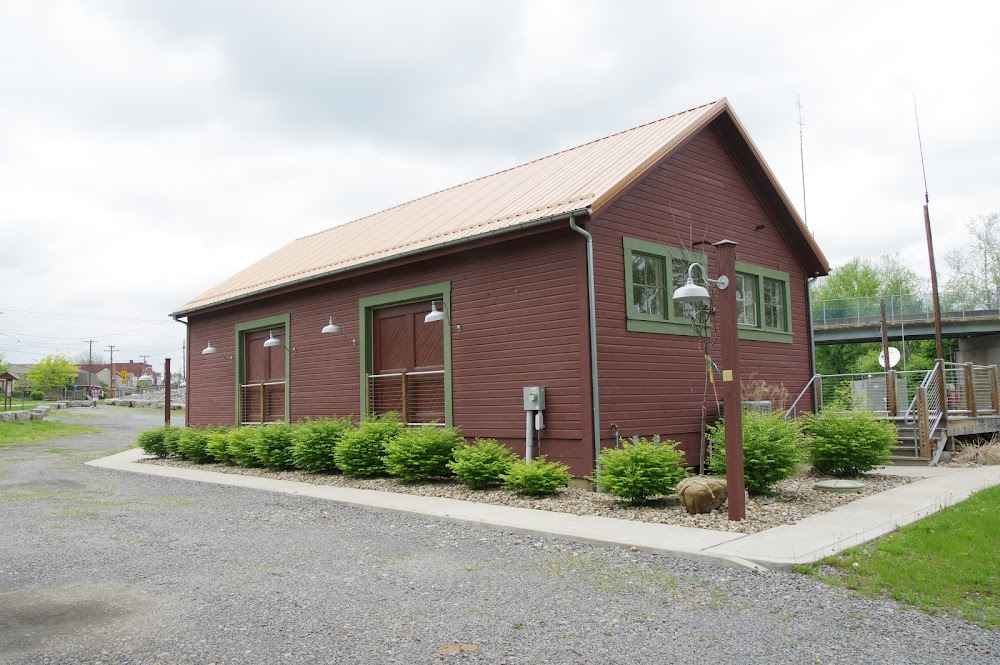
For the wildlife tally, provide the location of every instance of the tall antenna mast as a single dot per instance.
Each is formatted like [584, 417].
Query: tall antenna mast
[930, 242]
[802, 162]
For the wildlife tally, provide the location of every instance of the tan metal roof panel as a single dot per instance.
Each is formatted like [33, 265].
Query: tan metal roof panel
[577, 179]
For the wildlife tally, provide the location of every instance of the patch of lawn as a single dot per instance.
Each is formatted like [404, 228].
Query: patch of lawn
[945, 564]
[26, 432]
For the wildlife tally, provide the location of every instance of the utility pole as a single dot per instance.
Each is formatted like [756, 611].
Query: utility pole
[90, 360]
[112, 349]
[143, 373]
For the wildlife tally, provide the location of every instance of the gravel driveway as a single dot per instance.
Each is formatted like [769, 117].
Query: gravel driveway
[110, 567]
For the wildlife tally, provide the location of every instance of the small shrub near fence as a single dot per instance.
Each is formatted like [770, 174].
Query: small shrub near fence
[848, 444]
[482, 463]
[362, 449]
[316, 444]
[773, 448]
[641, 470]
[242, 447]
[423, 452]
[273, 446]
[217, 445]
[191, 445]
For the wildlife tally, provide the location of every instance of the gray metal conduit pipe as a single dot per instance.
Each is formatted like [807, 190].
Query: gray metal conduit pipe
[591, 300]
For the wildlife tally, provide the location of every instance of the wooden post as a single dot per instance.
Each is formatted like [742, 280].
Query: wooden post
[369, 398]
[731, 398]
[261, 402]
[892, 402]
[994, 390]
[969, 373]
[818, 406]
[923, 423]
[166, 391]
[406, 410]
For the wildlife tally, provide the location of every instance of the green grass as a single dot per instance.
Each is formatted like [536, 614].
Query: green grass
[26, 432]
[945, 564]
[29, 404]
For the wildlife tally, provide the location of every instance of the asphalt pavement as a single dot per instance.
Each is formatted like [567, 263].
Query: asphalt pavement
[103, 565]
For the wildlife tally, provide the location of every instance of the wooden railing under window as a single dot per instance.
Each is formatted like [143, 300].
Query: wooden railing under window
[416, 397]
[262, 402]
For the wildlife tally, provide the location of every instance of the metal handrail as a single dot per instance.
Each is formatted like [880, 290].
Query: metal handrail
[792, 410]
[408, 397]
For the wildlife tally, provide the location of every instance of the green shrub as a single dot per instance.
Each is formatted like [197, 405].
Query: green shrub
[37, 395]
[171, 437]
[482, 463]
[217, 444]
[315, 443]
[361, 450]
[152, 441]
[638, 471]
[536, 477]
[274, 446]
[772, 449]
[191, 443]
[421, 452]
[243, 446]
[848, 444]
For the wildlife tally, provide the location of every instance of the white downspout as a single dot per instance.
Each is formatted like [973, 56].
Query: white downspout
[593, 337]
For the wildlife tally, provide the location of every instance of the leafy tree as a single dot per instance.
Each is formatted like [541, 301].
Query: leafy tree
[975, 268]
[53, 373]
[3, 364]
[862, 279]
[84, 359]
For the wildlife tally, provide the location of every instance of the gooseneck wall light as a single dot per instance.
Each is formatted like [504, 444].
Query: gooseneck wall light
[439, 315]
[210, 350]
[273, 341]
[728, 329]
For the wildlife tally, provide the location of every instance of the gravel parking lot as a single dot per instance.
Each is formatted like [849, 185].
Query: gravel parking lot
[99, 566]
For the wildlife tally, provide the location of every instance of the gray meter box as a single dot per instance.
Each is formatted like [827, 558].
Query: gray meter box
[534, 398]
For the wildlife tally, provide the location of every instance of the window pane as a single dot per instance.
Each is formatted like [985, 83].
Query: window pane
[774, 305]
[647, 284]
[679, 276]
[746, 300]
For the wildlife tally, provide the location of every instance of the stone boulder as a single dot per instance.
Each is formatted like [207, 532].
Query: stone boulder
[702, 494]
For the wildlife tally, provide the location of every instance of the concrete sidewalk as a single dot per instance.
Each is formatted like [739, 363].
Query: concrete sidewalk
[806, 541]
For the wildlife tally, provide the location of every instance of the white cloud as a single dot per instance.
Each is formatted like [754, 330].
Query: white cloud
[148, 150]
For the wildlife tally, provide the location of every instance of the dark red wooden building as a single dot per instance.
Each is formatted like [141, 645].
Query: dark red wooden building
[334, 323]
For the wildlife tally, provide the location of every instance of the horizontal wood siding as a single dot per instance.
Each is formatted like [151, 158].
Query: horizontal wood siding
[517, 303]
[654, 383]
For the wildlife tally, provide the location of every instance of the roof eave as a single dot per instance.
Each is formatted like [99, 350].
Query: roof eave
[579, 212]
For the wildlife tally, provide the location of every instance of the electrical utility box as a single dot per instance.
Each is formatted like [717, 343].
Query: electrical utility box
[534, 398]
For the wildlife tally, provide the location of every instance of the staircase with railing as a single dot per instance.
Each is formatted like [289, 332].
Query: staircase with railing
[922, 404]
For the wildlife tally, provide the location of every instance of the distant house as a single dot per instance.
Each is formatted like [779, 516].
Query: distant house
[124, 375]
[336, 323]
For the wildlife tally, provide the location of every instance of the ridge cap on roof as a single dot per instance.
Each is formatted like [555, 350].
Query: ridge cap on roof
[721, 100]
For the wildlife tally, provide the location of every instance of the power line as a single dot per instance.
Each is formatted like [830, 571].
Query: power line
[89, 316]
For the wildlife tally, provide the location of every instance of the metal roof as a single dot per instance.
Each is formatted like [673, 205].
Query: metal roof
[579, 179]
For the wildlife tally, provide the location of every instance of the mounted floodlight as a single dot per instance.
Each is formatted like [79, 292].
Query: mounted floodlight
[694, 293]
[435, 314]
[332, 328]
[272, 341]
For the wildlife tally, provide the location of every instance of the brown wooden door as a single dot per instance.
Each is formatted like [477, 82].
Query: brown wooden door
[408, 363]
[262, 395]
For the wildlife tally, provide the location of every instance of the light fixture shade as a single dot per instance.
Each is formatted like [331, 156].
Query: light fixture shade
[209, 350]
[691, 293]
[271, 341]
[331, 328]
[145, 377]
[435, 314]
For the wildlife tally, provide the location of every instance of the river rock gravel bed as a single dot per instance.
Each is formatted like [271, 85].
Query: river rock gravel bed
[794, 498]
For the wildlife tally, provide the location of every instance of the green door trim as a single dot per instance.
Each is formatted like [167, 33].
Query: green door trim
[279, 321]
[442, 291]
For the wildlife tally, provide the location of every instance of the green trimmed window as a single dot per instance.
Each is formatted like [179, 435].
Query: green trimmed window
[762, 297]
[654, 271]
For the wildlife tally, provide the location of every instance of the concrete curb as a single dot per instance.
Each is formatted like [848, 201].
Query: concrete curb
[807, 541]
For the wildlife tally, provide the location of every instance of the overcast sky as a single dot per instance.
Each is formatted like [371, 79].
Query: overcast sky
[149, 150]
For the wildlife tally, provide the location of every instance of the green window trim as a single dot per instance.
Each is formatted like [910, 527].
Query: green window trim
[280, 321]
[366, 306]
[671, 323]
[761, 332]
